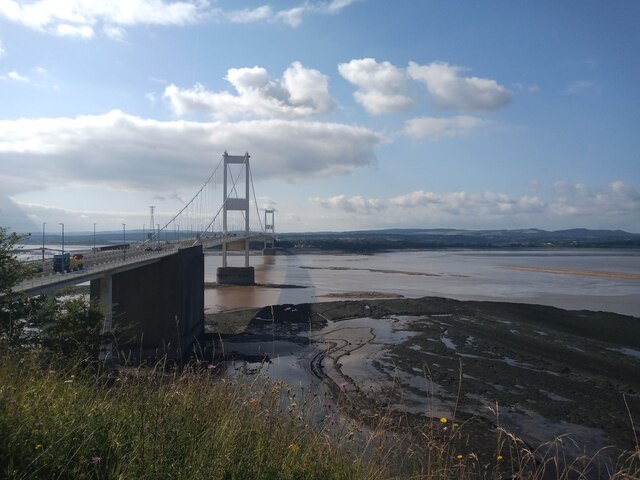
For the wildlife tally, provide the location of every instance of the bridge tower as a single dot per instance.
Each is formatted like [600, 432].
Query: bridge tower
[269, 229]
[226, 274]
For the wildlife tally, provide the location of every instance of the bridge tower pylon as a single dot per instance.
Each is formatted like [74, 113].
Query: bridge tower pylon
[236, 275]
[269, 229]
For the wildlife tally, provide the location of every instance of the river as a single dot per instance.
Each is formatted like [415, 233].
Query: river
[580, 279]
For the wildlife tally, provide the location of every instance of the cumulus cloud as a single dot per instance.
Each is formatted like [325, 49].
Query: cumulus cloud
[355, 204]
[469, 204]
[436, 128]
[576, 198]
[449, 90]
[299, 93]
[122, 151]
[2, 50]
[382, 87]
[567, 204]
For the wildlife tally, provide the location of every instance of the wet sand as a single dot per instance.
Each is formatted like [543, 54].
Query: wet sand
[550, 371]
[581, 273]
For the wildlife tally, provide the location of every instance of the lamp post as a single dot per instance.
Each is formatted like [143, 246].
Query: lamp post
[94, 237]
[124, 241]
[43, 224]
[62, 224]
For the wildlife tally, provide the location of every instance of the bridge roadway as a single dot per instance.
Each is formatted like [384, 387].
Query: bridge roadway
[99, 264]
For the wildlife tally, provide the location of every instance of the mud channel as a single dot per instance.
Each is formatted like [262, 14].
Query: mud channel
[539, 372]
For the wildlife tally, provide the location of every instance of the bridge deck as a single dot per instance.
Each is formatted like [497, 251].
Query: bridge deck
[99, 264]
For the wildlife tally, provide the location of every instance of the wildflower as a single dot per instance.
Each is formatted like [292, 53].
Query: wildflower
[443, 420]
[455, 425]
[499, 458]
[343, 386]
[39, 446]
[459, 456]
[293, 448]
[211, 366]
[96, 459]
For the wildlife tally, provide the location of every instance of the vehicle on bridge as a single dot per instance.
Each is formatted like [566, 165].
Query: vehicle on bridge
[65, 262]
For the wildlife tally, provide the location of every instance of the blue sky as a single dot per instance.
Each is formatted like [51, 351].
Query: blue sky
[358, 114]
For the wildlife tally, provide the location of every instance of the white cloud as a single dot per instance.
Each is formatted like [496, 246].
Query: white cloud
[115, 32]
[16, 77]
[449, 90]
[436, 128]
[295, 16]
[247, 15]
[292, 17]
[78, 17]
[151, 97]
[466, 204]
[616, 199]
[2, 50]
[301, 92]
[382, 87]
[567, 205]
[122, 151]
[581, 87]
[355, 204]
[81, 31]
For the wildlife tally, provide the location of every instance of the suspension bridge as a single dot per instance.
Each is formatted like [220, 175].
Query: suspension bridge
[218, 214]
[158, 285]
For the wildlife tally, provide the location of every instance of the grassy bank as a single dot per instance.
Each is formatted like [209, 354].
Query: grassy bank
[61, 423]
[58, 420]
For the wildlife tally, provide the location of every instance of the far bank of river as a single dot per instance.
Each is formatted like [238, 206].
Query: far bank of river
[580, 279]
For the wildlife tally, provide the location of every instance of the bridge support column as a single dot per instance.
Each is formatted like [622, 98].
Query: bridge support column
[227, 275]
[269, 228]
[102, 290]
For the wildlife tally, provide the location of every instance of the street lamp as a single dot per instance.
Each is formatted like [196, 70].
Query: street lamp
[94, 237]
[43, 224]
[124, 241]
[62, 224]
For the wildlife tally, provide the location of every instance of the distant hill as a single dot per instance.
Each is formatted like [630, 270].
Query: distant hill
[394, 239]
[398, 239]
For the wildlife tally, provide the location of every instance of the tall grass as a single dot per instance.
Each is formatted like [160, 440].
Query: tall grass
[60, 423]
[60, 420]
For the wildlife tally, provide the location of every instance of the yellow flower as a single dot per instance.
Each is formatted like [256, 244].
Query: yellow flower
[294, 448]
[38, 447]
[499, 458]
[459, 456]
[443, 420]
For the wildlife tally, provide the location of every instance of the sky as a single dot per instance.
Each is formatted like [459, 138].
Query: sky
[357, 114]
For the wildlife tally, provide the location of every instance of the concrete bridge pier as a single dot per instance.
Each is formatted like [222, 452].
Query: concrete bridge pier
[157, 310]
[102, 290]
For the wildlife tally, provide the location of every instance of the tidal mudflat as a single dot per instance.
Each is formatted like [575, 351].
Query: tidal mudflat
[537, 371]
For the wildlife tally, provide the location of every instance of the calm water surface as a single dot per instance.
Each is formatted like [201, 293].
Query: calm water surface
[463, 275]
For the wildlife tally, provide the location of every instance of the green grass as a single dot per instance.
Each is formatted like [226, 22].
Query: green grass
[64, 421]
